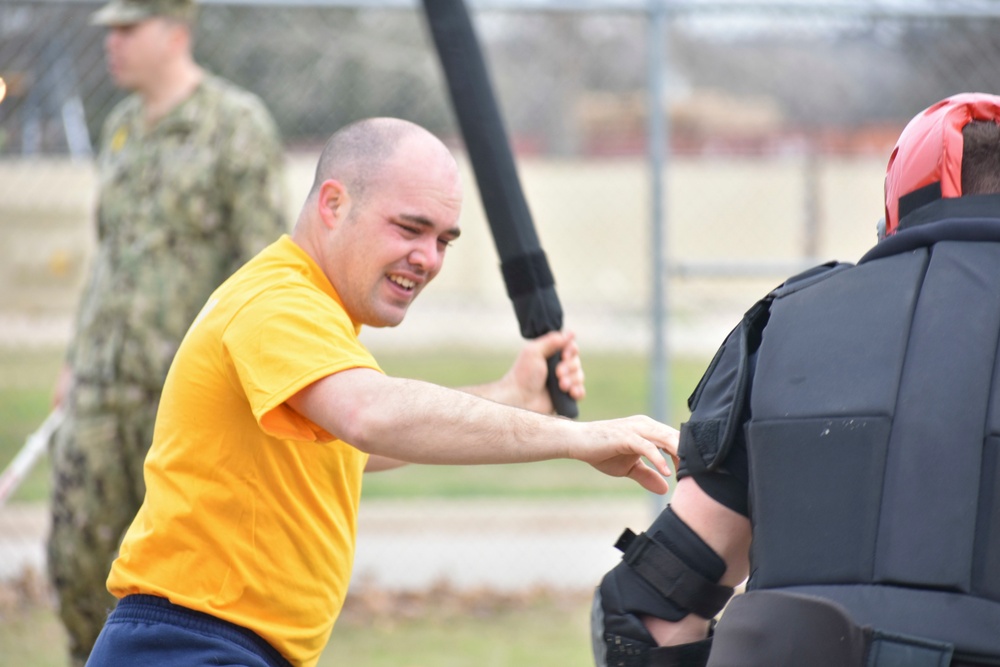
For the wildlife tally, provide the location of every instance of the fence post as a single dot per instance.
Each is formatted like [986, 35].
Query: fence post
[658, 149]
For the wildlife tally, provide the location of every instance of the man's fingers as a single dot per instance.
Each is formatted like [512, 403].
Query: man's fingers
[569, 346]
[550, 343]
[570, 370]
[562, 342]
[662, 440]
[665, 438]
[655, 455]
[648, 478]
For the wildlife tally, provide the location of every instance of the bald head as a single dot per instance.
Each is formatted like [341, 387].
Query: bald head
[357, 153]
[383, 208]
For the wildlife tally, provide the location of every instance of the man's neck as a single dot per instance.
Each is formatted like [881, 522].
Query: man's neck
[176, 85]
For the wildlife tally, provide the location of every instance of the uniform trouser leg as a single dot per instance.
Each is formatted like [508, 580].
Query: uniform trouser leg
[147, 630]
[97, 487]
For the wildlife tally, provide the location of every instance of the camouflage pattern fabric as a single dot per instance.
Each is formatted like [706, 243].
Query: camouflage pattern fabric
[181, 206]
[126, 12]
[97, 489]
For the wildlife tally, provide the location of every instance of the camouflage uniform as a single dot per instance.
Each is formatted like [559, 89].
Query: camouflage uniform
[181, 206]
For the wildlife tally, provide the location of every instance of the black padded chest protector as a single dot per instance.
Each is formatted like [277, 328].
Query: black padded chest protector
[874, 444]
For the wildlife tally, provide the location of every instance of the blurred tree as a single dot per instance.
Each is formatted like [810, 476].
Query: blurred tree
[318, 68]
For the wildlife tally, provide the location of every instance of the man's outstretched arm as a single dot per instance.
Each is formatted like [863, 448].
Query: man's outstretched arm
[524, 385]
[421, 422]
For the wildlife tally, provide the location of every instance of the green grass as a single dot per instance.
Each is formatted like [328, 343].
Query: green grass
[32, 636]
[617, 385]
[27, 377]
[486, 630]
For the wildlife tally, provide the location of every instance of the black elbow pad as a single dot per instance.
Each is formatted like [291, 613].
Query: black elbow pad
[668, 572]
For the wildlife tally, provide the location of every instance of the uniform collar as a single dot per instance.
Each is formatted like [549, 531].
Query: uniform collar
[969, 218]
[184, 116]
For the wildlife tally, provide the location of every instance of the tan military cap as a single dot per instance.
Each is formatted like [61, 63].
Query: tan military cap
[124, 12]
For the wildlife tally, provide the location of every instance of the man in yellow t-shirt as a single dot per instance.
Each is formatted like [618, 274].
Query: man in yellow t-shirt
[243, 547]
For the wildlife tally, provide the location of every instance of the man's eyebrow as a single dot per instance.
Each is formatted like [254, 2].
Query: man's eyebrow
[454, 232]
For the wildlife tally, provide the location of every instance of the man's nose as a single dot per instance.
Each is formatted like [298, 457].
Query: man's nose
[427, 256]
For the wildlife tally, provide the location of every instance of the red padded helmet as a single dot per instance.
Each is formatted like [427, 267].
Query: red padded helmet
[928, 154]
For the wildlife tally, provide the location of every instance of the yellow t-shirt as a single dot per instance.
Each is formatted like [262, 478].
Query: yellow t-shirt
[250, 512]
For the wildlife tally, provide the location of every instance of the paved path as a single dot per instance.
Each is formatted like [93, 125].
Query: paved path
[508, 545]
[413, 545]
[22, 533]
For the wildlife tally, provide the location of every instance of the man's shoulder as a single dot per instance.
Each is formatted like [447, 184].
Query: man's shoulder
[237, 114]
[230, 97]
[811, 277]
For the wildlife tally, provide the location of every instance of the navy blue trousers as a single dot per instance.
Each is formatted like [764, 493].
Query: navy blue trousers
[149, 630]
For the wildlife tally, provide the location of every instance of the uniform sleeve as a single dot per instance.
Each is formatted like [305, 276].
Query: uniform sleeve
[112, 125]
[252, 175]
[283, 345]
[712, 447]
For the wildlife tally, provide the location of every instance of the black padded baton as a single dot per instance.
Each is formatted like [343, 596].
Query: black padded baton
[526, 272]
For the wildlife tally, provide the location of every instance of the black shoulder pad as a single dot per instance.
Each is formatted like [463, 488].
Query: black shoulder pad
[717, 404]
[808, 278]
[719, 401]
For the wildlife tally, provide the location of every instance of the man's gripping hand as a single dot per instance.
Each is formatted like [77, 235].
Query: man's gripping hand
[527, 377]
[524, 385]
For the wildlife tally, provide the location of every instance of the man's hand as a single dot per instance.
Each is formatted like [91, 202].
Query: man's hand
[419, 422]
[530, 370]
[523, 386]
[64, 383]
[631, 435]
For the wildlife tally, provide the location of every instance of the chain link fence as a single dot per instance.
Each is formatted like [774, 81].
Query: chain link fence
[779, 115]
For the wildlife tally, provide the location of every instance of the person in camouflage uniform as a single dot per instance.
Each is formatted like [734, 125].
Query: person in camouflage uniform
[190, 187]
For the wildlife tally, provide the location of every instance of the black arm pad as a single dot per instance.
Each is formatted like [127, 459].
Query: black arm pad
[671, 577]
[667, 573]
[694, 654]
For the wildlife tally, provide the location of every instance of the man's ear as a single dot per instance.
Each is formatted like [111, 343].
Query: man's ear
[333, 203]
[179, 36]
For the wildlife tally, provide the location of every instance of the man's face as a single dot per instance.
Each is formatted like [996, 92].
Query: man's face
[136, 52]
[393, 241]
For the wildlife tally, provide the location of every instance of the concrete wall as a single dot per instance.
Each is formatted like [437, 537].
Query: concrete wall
[592, 217]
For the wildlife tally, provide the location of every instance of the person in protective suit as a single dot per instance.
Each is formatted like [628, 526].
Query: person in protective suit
[843, 449]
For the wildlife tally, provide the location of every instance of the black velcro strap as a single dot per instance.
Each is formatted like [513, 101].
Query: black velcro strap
[625, 652]
[526, 273]
[671, 577]
[624, 540]
[706, 438]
